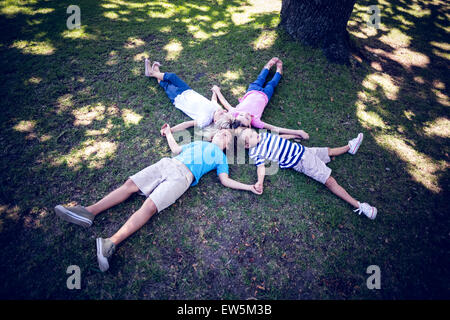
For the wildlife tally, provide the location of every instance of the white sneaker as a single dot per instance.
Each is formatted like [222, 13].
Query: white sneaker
[368, 210]
[355, 143]
[105, 249]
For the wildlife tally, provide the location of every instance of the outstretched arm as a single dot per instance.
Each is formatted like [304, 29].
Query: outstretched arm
[233, 184]
[182, 126]
[174, 147]
[288, 136]
[279, 130]
[261, 172]
[214, 96]
[222, 99]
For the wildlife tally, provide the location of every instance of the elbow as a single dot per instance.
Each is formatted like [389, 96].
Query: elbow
[224, 182]
[176, 151]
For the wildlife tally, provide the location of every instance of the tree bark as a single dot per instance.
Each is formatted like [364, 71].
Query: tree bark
[320, 23]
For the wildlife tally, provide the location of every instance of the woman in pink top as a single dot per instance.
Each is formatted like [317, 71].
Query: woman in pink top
[251, 105]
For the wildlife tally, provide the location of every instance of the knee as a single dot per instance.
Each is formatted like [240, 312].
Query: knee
[130, 186]
[330, 182]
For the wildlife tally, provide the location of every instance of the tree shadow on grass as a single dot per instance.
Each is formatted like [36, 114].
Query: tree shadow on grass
[79, 118]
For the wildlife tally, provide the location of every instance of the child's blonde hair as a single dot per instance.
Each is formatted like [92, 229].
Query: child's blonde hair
[226, 121]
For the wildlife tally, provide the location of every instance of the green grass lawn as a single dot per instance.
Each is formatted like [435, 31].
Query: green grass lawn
[78, 118]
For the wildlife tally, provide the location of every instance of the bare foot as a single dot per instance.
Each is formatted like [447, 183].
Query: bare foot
[271, 63]
[280, 66]
[155, 66]
[147, 68]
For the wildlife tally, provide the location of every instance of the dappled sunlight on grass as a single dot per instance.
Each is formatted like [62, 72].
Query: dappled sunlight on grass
[140, 57]
[369, 119]
[12, 8]
[421, 167]
[112, 15]
[439, 127]
[102, 131]
[441, 97]
[133, 43]
[33, 80]
[406, 57]
[265, 40]
[91, 153]
[384, 81]
[173, 49]
[401, 55]
[64, 102]
[245, 14]
[25, 126]
[8, 214]
[34, 47]
[238, 91]
[113, 58]
[130, 117]
[86, 114]
[78, 33]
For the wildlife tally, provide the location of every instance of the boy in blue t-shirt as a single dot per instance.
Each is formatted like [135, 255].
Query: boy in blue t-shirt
[162, 183]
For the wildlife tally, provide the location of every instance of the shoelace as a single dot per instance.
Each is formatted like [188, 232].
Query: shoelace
[358, 211]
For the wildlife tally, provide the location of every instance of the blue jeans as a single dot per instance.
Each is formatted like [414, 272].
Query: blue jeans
[173, 86]
[258, 84]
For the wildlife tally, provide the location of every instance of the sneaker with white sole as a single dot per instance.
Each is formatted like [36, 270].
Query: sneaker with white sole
[78, 215]
[105, 249]
[368, 210]
[355, 143]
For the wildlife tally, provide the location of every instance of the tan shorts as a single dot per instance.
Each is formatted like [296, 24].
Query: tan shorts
[164, 182]
[313, 164]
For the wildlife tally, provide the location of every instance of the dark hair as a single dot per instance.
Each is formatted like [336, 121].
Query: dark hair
[235, 124]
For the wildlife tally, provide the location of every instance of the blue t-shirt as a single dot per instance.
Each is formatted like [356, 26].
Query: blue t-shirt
[201, 157]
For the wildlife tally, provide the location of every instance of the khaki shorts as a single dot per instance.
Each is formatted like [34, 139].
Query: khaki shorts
[313, 164]
[164, 182]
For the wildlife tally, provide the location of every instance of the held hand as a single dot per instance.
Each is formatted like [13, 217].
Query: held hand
[256, 191]
[303, 134]
[165, 129]
[259, 187]
[215, 89]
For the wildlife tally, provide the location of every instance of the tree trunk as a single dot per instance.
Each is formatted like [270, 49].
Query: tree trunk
[320, 23]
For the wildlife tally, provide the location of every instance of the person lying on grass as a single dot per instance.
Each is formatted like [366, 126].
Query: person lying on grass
[310, 161]
[205, 113]
[251, 106]
[162, 183]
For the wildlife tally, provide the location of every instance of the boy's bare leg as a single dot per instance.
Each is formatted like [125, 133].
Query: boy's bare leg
[334, 187]
[115, 197]
[338, 151]
[135, 222]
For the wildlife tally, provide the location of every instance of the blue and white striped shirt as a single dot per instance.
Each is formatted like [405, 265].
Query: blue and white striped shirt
[274, 148]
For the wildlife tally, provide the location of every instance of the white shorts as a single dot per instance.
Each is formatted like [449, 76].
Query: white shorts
[313, 164]
[164, 182]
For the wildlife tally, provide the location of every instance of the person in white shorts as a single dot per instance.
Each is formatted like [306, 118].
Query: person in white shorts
[310, 161]
[203, 112]
[162, 183]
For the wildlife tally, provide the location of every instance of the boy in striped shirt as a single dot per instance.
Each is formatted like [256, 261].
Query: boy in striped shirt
[310, 161]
